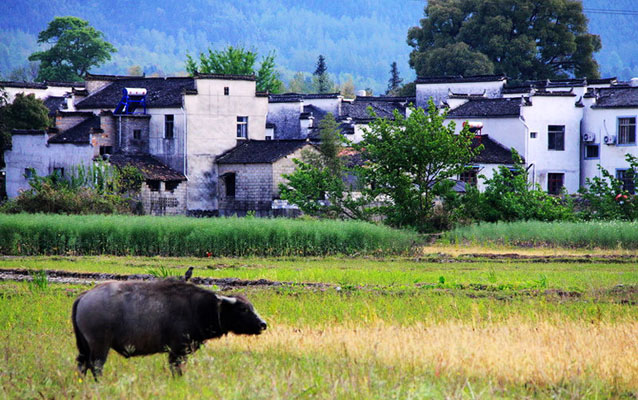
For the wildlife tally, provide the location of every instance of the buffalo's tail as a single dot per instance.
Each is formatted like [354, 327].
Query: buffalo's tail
[83, 346]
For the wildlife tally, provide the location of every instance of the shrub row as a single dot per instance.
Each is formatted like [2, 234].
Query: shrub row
[40, 234]
[611, 234]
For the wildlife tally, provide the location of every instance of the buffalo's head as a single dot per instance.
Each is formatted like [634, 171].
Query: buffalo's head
[237, 315]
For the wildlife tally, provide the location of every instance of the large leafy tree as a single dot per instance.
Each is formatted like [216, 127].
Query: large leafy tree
[523, 39]
[408, 158]
[26, 112]
[238, 61]
[76, 47]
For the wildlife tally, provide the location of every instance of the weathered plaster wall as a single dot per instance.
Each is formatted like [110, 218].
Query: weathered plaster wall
[285, 116]
[211, 120]
[253, 188]
[32, 151]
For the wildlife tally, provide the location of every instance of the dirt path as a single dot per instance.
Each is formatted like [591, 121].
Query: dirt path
[89, 278]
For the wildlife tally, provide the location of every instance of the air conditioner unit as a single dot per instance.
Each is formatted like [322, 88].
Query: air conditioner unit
[589, 137]
[610, 139]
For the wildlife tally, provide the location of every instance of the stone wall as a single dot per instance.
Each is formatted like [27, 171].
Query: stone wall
[253, 188]
[163, 201]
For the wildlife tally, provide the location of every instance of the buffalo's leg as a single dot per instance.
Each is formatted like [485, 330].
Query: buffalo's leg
[83, 363]
[98, 358]
[176, 361]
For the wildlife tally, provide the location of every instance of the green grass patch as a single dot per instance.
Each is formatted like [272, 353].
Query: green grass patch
[590, 235]
[40, 234]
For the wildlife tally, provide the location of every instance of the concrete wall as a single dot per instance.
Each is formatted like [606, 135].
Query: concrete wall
[547, 111]
[32, 151]
[211, 121]
[604, 122]
[440, 91]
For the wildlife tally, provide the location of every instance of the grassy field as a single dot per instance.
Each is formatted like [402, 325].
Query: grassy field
[383, 328]
[589, 235]
[47, 234]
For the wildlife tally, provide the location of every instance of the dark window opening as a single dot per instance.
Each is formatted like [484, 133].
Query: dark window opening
[242, 127]
[470, 176]
[627, 130]
[106, 150]
[226, 90]
[268, 137]
[592, 151]
[533, 135]
[626, 176]
[556, 137]
[229, 182]
[28, 173]
[555, 183]
[171, 185]
[58, 172]
[169, 123]
[153, 185]
[137, 134]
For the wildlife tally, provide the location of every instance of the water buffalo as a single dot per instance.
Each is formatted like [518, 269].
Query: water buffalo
[138, 318]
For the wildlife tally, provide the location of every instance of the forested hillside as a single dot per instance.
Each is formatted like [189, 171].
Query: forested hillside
[361, 37]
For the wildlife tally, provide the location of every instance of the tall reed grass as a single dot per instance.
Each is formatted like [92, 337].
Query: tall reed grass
[40, 234]
[605, 235]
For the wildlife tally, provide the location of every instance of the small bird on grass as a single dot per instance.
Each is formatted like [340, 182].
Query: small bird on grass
[188, 274]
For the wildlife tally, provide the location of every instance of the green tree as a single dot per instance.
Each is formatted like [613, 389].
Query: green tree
[300, 83]
[318, 186]
[395, 81]
[347, 88]
[237, 61]
[321, 81]
[523, 39]
[76, 47]
[407, 158]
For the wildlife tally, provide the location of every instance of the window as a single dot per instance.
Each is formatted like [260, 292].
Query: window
[556, 137]
[242, 127]
[592, 151]
[28, 173]
[627, 130]
[226, 90]
[153, 185]
[555, 183]
[626, 176]
[58, 171]
[229, 182]
[137, 134]
[169, 123]
[533, 135]
[268, 137]
[106, 150]
[470, 176]
[170, 186]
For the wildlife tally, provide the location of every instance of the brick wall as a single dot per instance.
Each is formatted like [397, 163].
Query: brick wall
[164, 202]
[253, 188]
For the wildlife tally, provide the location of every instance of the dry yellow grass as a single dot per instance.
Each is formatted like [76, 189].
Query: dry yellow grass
[542, 354]
[460, 249]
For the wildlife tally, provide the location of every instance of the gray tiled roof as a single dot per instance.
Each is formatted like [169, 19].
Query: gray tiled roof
[617, 97]
[493, 152]
[161, 92]
[488, 108]
[80, 133]
[260, 151]
[151, 168]
[358, 109]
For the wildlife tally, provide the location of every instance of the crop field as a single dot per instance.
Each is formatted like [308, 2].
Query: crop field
[349, 328]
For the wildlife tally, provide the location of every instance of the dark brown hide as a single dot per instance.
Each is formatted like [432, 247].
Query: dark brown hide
[138, 318]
